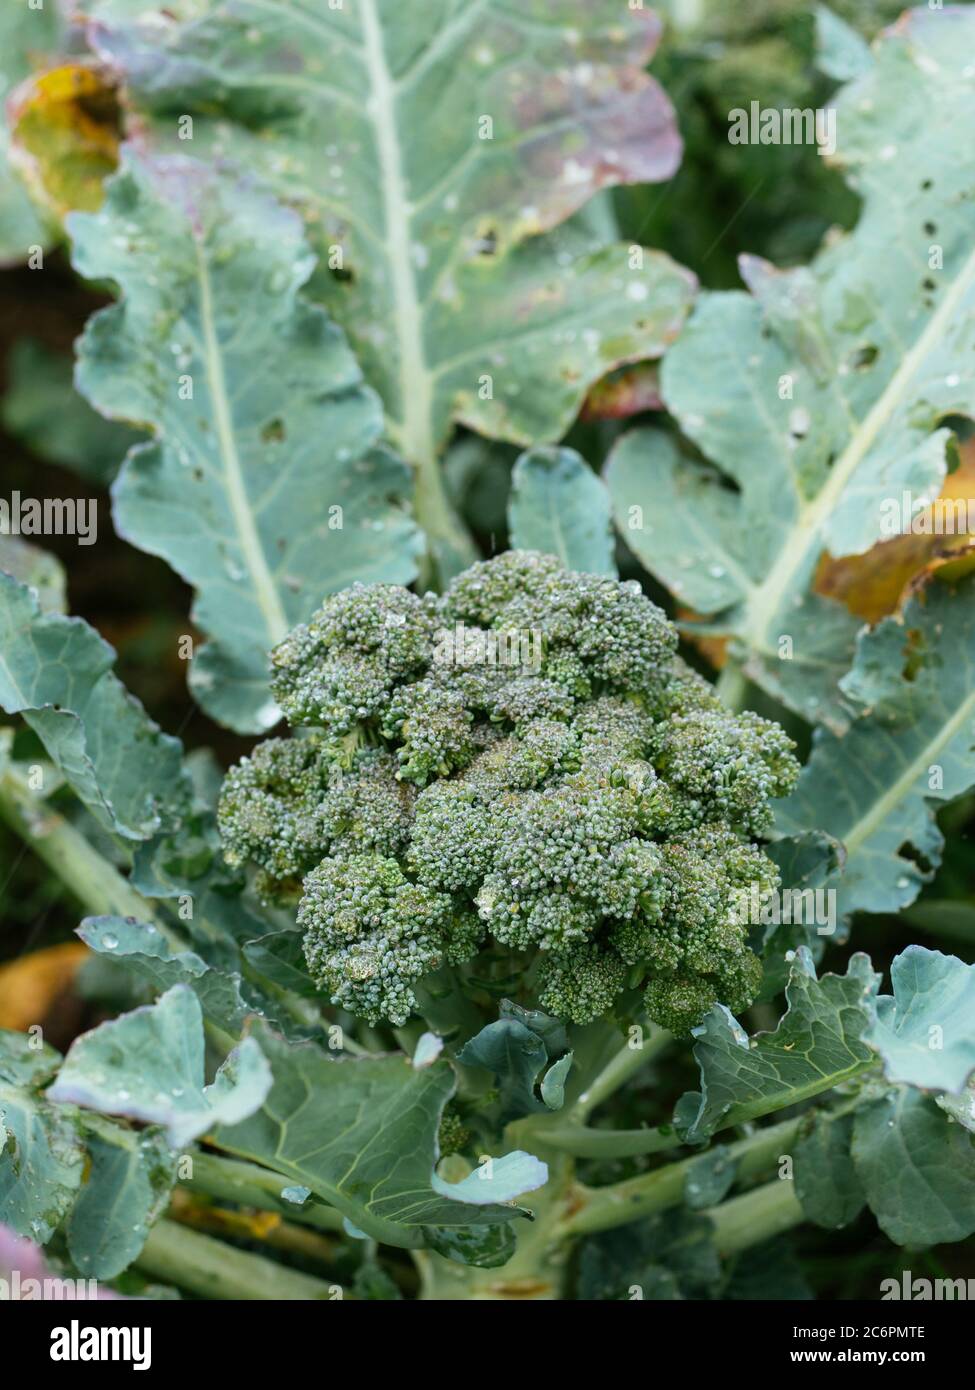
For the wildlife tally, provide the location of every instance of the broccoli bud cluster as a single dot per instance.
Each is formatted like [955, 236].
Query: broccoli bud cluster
[523, 758]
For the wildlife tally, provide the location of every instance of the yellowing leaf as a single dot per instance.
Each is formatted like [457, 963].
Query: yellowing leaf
[878, 582]
[65, 136]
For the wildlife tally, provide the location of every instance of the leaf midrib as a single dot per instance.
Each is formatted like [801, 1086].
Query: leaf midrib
[868, 823]
[415, 392]
[265, 590]
[803, 542]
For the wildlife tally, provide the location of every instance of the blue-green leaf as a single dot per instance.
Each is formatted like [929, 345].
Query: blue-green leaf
[438, 149]
[822, 393]
[148, 1065]
[41, 1163]
[917, 1169]
[57, 673]
[877, 789]
[709, 1178]
[824, 1173]
[925, 1033]
[361, 1133]
[265, 486]
[818, 1043]
[560, 507]
[498, 1180]
[142, 948]
[841, 52]
[24, 1060]
[128, 1185]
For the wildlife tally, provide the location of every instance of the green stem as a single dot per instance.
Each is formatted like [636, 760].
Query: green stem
[600, 1208]
[627, 1062]
[583, 1142]
[756, 1216]
[179, 1255]
[732, 685]
[233, 1180]
[450, 547]
[86, 874]
[99, 886]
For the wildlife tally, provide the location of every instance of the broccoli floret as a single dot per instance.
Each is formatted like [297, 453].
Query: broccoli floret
[369, 933]
[268, 811]
[581, 984]
[525, 761]
[482, 592]
[678, 1002]
[432, 726]
[451, 843]
[731, 765]
[341, 667]
[453, 1136]
[681, 1000]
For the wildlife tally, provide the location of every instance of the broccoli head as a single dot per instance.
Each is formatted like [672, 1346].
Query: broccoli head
[521, 763]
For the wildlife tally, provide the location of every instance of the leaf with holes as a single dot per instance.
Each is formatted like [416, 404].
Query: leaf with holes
[878, 788]
[821, 395]
[433, 149]
[266, 486]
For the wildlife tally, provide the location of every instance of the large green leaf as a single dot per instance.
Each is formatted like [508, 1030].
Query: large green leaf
[822, 395]
[362, 1134]
[917, 1169]
[818, 1044]
[148, 1065]
[434, 148]
[877, 789]
[56, 672]
[925, 1033]
[127, 1185]
[265, 486]
[560, 507]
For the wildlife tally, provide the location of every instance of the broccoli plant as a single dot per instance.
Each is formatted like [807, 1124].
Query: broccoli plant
[497, 926]
[518, 776]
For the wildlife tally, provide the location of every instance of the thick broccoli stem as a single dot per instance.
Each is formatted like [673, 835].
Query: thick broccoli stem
[213, 1269]
[599, 1209]
[450, 547]
[88, 876]
[234, 1180]
[756, 1216]
[626, 1063]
